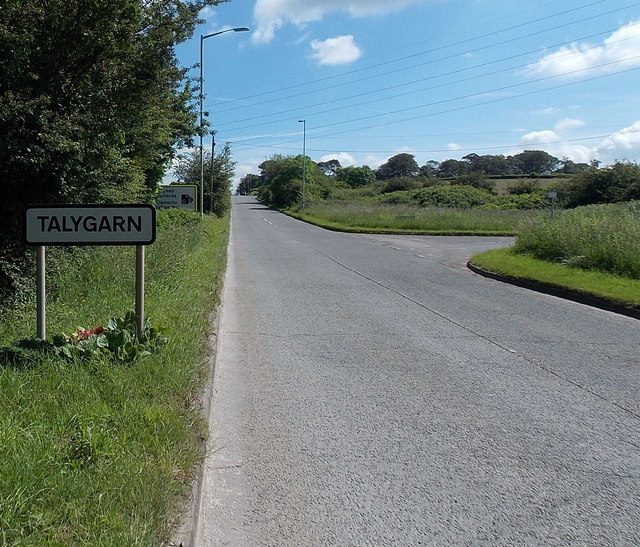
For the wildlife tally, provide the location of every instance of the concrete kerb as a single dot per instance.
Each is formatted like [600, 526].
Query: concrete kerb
[561, 292]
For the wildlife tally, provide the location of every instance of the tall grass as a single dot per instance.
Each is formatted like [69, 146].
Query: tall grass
[598, 237]
[381, 217]
[101, 453]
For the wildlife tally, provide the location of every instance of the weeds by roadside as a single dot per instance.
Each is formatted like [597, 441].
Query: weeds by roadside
[96, 452]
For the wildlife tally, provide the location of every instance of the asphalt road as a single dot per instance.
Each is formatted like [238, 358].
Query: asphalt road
[370, 390]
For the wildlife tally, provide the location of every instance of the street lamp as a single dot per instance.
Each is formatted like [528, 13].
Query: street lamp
[203, 37]
[304, 158]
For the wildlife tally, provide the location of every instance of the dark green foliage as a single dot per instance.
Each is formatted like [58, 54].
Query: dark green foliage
[400, 165]
[283, 180]
[620, 182]
[476, 179]
[488, 165]
[458, 196]
[92, 103]
[535, 161]
[356, 176]
[218, 173]
[401, 183]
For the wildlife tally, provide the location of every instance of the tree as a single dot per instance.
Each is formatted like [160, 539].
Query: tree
[330, 168]
[453, 168]
[429, 170]
[218, 174]
[400, 165]
[488, 165]
[536, 161]
[356, 176]
[248, 183]
[92, 102]
[620, 182]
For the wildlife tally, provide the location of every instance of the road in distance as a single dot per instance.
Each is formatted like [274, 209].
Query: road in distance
[374, 392]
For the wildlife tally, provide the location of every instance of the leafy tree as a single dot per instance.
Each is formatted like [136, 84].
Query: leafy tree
[330, 168]
[248, 183]
[429, 170]
[400, 165]
[92, 103]
[535, 161]
[283, 180]
[620, 182]
[218, 174]
[356, 176]
[488, 165]
[453, 168]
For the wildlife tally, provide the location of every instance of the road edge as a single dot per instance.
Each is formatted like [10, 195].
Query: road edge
[560, 292]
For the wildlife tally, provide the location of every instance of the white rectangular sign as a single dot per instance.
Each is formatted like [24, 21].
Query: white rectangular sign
[90, 225]
[179, 196]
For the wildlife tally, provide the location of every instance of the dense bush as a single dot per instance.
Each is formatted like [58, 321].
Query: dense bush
[601, 237]
[620, 182]
[401, 183]
[458, 196]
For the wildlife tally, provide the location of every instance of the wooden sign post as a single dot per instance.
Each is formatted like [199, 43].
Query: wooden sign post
[89, 225]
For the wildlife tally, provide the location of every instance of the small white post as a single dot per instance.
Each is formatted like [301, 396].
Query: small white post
[41, 297]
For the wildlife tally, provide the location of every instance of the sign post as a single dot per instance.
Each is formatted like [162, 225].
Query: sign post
[90, 225]
[41, 300]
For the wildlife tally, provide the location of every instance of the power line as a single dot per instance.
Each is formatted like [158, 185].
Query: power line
[397, 86]
[262, 103]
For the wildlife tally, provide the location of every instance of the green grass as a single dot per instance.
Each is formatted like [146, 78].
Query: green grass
[101, 453]
[506, 262]
[394, 218]
[596, 237]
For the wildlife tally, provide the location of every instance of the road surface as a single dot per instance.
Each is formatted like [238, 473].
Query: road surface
[370, 390]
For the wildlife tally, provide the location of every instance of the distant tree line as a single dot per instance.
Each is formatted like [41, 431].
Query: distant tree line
[93, 105]
[280, 180]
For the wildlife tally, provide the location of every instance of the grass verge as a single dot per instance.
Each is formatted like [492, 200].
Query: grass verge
[99, 452]
[404, 219]
[616, 289]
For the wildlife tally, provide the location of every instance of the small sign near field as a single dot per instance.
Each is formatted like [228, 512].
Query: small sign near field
[178, 196]
[90, 225]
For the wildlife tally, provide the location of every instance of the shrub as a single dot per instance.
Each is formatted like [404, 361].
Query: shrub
[401, 183]
[457, 196]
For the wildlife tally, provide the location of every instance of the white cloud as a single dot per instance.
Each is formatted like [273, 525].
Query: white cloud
[270, 15]
[454, 146]
[344, 158]
[618, 51]
[539, 137]
[623, 142]
[569, 123]
[336, 51]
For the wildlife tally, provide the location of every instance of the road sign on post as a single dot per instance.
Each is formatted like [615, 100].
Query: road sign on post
[90, 225]
[178, 196]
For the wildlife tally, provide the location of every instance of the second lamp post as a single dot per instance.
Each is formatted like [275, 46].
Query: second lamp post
[203, 37]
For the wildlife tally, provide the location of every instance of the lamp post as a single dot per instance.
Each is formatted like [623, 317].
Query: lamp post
[304, 158]
[203, 37]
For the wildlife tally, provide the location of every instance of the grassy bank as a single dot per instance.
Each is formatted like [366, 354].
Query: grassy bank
[396, 218]
[100, 452]
[506, 262]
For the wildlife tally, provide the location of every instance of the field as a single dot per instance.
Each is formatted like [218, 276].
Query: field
[392, 218]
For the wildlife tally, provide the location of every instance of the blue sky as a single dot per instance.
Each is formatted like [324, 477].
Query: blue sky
[435, 78]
